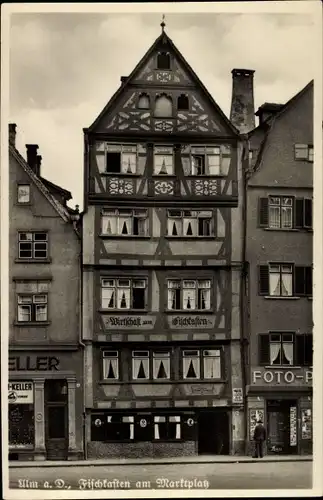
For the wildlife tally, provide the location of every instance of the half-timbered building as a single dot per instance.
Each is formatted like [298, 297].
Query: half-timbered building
[162, 273]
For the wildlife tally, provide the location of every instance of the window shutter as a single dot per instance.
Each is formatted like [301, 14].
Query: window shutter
[263, 280]
[299, 350]
[299, 280]
[308, 349]
[299, 213]
[263, 345]
[308, 207]
[309, 281]
[263, 212]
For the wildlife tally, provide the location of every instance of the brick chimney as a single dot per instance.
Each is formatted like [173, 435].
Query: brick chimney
[12, 134]
[38, 165]
[242, 113]
[32, 160]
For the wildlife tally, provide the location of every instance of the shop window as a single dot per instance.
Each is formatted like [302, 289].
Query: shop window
[285, 280]
[33, 245]
[124, 222]
[182, 103]
[143, 427]
[32, 308]
[110, 365]
[190, 223]
[114, 428]
[304, 152]
[205, 160]
[143, 101]
[21, 425]
[209, 369]
[23, 193]
[163, 106]
[189, 295]
[167, 428]
[283, 212]
[163, 60]
[121, 159]
[123, 294]
[163, 160]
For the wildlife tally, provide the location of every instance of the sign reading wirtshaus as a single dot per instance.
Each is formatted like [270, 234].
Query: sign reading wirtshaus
[129, 322]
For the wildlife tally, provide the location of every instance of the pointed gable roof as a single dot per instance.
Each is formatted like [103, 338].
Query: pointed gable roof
[268, 125]
[58, 207]
[162, 40]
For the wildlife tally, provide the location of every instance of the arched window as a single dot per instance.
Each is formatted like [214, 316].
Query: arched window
[144, 102]
[163, 106]
[163, 60]
[182, 103]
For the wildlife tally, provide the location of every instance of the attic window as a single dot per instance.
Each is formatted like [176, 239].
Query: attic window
[163, 60]
[144, 102]
[163, 106]
[182, 103]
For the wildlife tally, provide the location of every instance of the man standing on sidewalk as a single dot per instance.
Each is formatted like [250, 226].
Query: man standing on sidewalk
[259, 438]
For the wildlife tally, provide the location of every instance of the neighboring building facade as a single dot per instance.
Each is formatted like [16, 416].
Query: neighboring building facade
[162, 267]
[279, 254]
[45, 358]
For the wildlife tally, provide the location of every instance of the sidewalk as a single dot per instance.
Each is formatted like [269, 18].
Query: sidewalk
[206, 459]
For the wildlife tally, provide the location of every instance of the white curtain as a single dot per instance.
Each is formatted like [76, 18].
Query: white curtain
[123, 298]
[110, 368]
[190, 227]
[189, 298]
[214, 165]
[288, 349]
[41, 312]
[177, 421]
[274, 283]
[128, 163]
[191, 367]
[161, 366]
[274, 216]
[163, 164]
[24, 313]
[287, 217]
[287, 284]
[108, 298]
[109, 224]
[140, 368]
[274, 354]
[212, 367]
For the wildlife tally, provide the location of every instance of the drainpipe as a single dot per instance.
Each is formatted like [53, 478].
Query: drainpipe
[244, 309]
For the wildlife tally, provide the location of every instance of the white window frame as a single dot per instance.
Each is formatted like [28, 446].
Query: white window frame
[183, 285]
[124, 150]
[32, 303]
[281, 342]
[114, 283]
[206, 152]
[145, 355]
[161, 355]
[279, 268]
[165, 151]
[34, 244]
[119, 215]
[195, 216]
[110, 355]
[19, 194]
[188, 353]
[200, 355]
[280, 203]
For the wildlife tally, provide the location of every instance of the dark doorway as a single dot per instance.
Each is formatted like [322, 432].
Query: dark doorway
[56, 421]
[213, 433]
[282, 421]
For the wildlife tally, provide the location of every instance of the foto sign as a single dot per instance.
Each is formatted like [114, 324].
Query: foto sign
[281, 377]
[20, 393]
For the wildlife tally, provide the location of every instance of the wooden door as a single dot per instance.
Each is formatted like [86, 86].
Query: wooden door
[56, 431]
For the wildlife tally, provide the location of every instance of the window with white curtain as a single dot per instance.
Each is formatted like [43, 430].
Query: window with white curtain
[163, 106]
[190, 223]
[189, 295]
[280, 212]
[167, 427]
[110, 365]
[121, 159]
[140, 365]
[212, 363]
[205, 160]
[209, 369]
[123, 293]
[163, 160]
[161, 365]
[281, 347]
[32, 308]
[124, 222]
[191, 364]
[281, 280]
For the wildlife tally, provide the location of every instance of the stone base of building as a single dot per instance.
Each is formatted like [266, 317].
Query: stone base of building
[140, 450]
[238, 448]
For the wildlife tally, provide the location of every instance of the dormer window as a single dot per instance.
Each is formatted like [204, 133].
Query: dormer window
[163, 106]
[144, 101]
[163, 60]
[182, 103]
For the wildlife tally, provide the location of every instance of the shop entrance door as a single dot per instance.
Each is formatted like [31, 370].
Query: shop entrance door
[282, 426]
[56, 420]
[213, 433]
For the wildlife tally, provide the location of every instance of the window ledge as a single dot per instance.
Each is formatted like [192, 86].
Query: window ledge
[124, 236]
[31, 323]
[190, 237]
[20, 204]
[125, 311]
[281, 298]
[283, 367]
[164, 176]
[33, 261]
[284, 229]
[205, 176]
[189, 311]
[141, 381]
[119, 174]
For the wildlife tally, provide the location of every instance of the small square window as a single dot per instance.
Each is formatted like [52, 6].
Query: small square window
[23, 193]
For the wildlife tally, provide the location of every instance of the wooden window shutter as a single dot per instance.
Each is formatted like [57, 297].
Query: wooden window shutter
[299, 350]
[299, 213]
[263, 280]
[309, 281]
[308, 349]
[308, 211]
[263, 345]
[299, 280]
[263, 212]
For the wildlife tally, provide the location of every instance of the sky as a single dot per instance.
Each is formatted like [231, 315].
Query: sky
[64, 68]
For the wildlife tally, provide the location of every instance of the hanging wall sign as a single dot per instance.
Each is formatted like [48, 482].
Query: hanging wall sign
[128, 322]
[293, 425]
[191, 322]
[276, 377]
[237, 395]
[20, 393]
